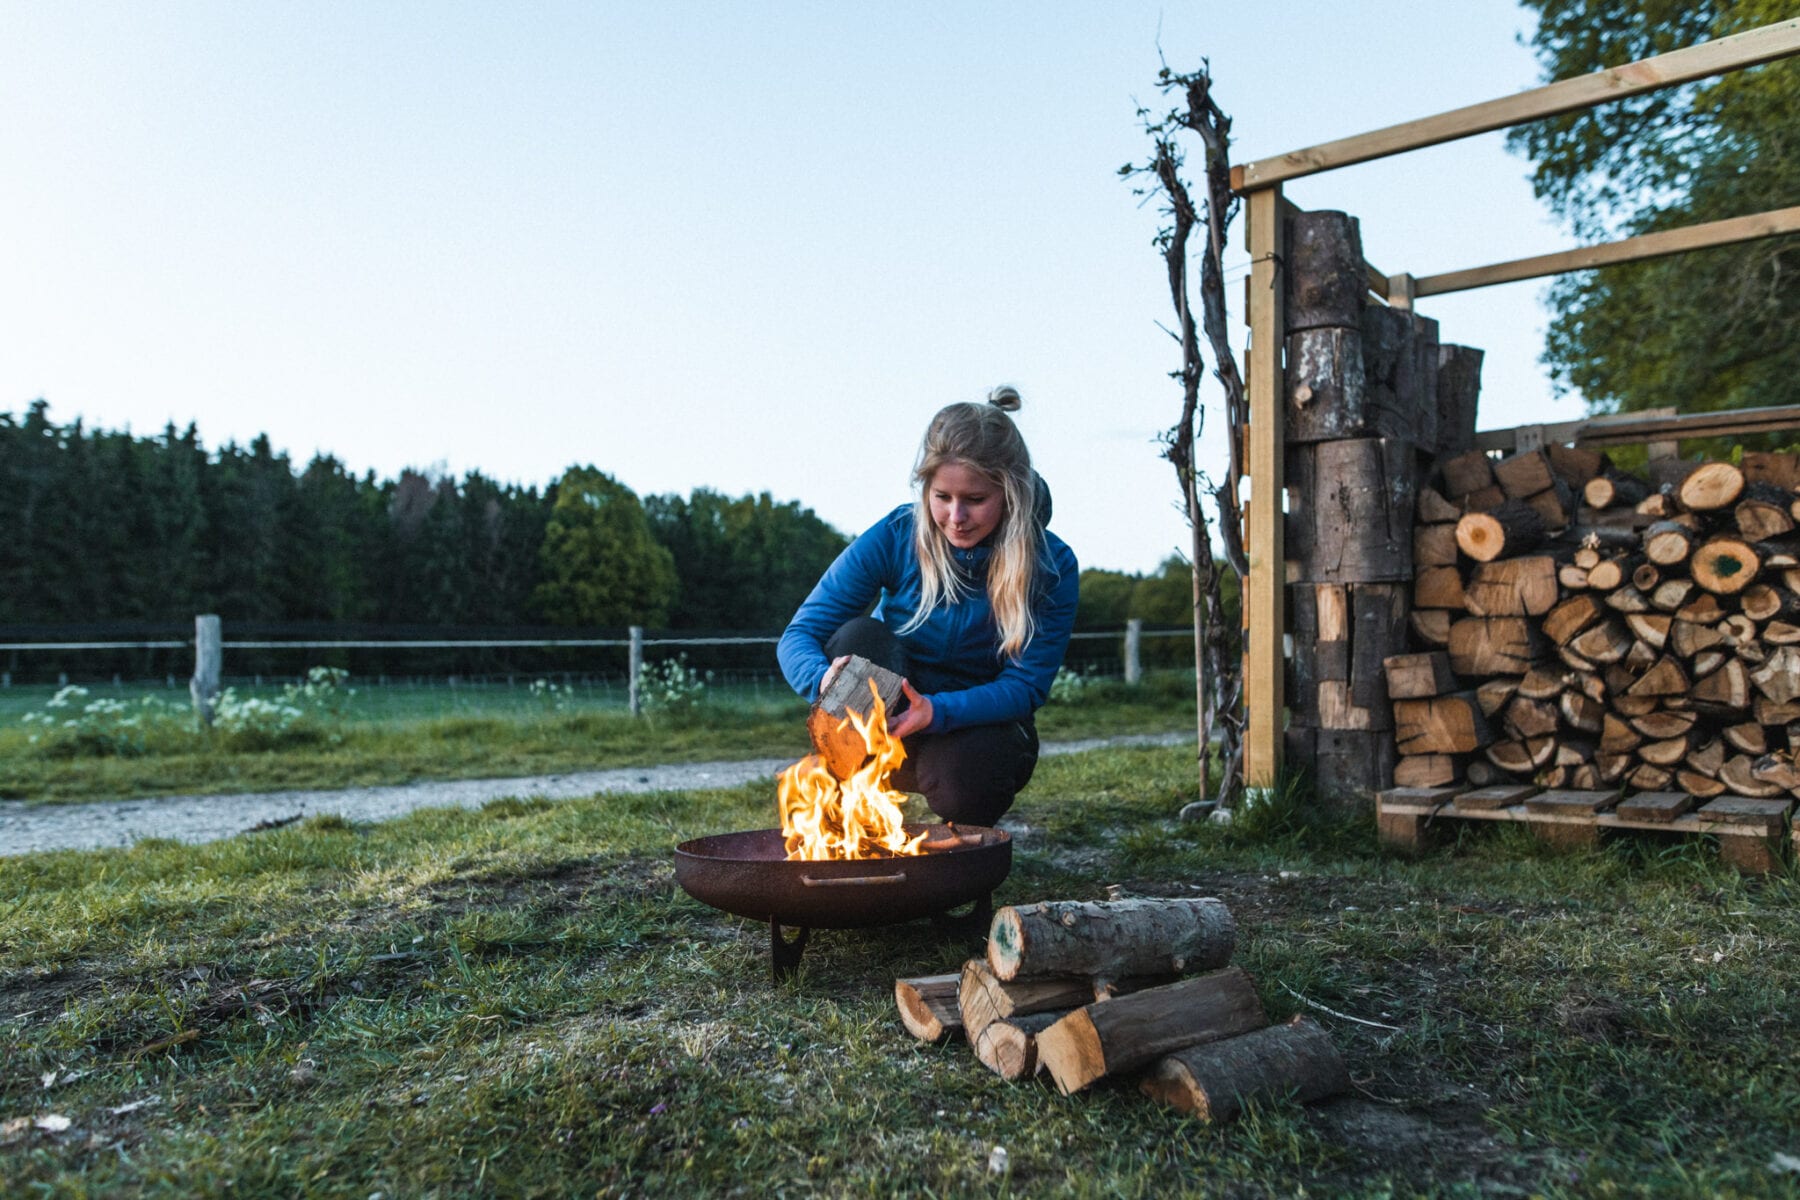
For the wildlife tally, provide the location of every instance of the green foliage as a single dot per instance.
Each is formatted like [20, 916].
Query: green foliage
[744, 563]
[1105, 599]
[672, 687]
[1714, 329]
[601, 566]
[71, 726]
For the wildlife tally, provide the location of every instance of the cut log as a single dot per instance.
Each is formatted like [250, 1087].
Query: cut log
[1670, 752]
[1647, 777]
[1627, 599]
[1467, 473]
[1572, 578]
[1458, 391]
[1708, 758]
[1660, 725]
[835, 739]
[1512, 529]
[1581, 712]
[1122, 1035]
[1433, 509]
[1427, 771]
[1650, 628]
[1511, 587]
[1571, 617]
[1724, 566]
[1739, 777]
[1493, 694]
[1770, 713]
[1434, 546]
[1613, 572]
[1217, 1080]
[1524, 474]
[1484, 646]
[928, 1007]
[1575, 465]
[1666, 678]
[1606, 642]
[1614, 487]
[1430, 627]
[1587, 558]
[1112, 939]
[1702, 608]
[1781, 633]
[1613, 767]
[1671, 594]
[1640, 658]
[1747, 737]
[982, 997]
[1698, 785]
[1777, 769]
[1710, 486]
[1441, 725]
[1779, 468]
[1009, 1048]
[1543, 683]
[1439, 587]
[1617, 735]
[1737, 629]
[1326, 277]
[1761, 602]
[1575, 661]
[1762, 517]
[1779, 677]
[1667, 544]
[1522, 757]
[1687, 638]
[1527, 719]
[1414, 676]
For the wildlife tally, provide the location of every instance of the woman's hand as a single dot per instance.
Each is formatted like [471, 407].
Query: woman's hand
[831, 672]
[917, 715]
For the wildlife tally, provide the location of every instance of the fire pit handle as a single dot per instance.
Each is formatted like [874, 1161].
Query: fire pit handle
[855, 880]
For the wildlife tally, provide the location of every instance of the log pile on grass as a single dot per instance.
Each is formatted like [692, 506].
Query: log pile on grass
[1139, 990]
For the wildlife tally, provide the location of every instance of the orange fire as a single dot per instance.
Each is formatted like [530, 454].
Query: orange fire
[823, 817]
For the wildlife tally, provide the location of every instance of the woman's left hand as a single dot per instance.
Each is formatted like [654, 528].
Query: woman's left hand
[917, 716]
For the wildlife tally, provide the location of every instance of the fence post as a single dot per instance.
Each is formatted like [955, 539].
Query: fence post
[209, 655]
[1134, 662]
[634, 665]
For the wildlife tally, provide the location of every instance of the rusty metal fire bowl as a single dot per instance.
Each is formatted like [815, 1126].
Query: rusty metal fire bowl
[749, 874]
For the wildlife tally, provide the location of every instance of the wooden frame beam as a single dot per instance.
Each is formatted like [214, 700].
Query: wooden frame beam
[1630, 429]
[1264, 607]
[1632, 249]
[1747, 49]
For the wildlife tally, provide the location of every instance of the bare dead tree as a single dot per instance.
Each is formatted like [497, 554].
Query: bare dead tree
[1218, 677]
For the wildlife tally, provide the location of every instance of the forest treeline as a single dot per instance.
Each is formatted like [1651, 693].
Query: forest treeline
[100, 526]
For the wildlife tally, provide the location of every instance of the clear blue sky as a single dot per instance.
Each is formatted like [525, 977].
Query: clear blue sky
[751, 246]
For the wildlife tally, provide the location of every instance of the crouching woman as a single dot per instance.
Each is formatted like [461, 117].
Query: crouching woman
[974, 603]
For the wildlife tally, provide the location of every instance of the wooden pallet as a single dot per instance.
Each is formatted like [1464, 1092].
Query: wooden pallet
[1750, 831]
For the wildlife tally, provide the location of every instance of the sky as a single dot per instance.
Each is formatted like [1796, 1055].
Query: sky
[746, 246]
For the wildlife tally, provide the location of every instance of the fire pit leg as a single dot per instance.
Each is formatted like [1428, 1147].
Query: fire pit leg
[784, 955]
[972, 924]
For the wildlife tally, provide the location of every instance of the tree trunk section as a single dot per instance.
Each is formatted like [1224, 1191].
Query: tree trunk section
[1217, 1080]
[1111, 940]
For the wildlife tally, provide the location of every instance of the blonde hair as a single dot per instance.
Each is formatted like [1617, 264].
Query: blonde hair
[983, 438]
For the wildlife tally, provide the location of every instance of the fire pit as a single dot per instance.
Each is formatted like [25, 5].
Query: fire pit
[749, 874]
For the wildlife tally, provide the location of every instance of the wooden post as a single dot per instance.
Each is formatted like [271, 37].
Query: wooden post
[1263, 606]
[209, 662]
[634, 666]
[1134, 663]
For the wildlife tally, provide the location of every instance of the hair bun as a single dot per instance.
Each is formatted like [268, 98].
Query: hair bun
[1005, 398]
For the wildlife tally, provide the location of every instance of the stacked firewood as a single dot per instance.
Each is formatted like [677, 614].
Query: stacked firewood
[1088, 991]
[1585, 628]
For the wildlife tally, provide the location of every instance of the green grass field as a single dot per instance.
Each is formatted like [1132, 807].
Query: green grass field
[401, 734]
[519, 1001]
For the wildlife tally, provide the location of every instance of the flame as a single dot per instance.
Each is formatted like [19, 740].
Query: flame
[823, 817]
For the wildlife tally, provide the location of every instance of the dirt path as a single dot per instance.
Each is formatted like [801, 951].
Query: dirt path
[105, 823]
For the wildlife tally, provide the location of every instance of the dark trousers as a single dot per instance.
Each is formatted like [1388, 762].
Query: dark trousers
[968, 775]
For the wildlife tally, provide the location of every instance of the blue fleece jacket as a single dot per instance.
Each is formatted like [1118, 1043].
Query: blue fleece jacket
[955, 654]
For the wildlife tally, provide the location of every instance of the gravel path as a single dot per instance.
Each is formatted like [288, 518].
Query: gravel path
[105, 823]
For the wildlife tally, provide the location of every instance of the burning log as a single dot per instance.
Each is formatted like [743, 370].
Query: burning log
[1122, 1035]
[1111, 940]
[1216, 1080]
[835, 738]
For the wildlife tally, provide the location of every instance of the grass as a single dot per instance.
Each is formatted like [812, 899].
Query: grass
[395, 735]
[520, 1001]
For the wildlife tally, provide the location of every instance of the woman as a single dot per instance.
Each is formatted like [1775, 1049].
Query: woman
[974, 601]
